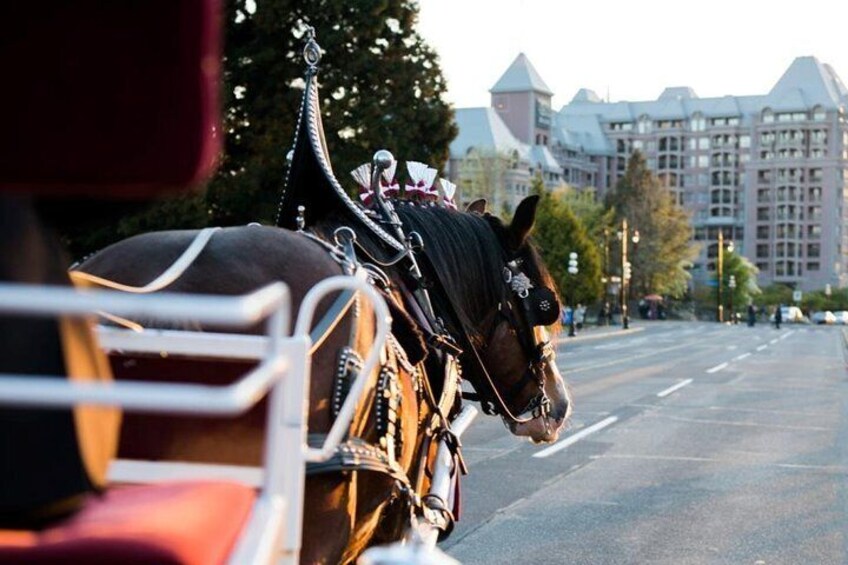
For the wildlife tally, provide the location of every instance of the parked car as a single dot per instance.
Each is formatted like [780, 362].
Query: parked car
[841, 317]
[789, 314]
[823, 317]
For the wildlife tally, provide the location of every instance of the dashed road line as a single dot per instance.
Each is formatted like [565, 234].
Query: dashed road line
[571, 440]
[761, 347]
[678, 386]
[773, 341]
[717, 368]
[743, 356]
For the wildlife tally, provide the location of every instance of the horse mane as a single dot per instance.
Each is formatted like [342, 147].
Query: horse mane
[467, 250]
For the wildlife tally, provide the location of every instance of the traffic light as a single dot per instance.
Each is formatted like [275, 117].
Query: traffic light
[627, 271]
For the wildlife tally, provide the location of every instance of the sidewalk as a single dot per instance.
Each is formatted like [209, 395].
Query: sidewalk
[596, 332]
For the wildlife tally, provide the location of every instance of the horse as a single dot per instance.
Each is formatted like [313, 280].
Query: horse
[475, 259]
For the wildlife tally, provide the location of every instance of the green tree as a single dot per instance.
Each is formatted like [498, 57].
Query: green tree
[593, 214]
[664, 252]
[559, 232]
[381, 87]
[744, 274]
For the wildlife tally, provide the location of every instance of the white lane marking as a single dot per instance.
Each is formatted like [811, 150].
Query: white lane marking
[571, 440]
[732, 347]
[717, 368]
[669, 390]
[761, 347]
[787, 334]
[743, 356]
[773, 341]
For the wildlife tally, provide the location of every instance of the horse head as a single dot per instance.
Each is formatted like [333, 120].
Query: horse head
[504, 298]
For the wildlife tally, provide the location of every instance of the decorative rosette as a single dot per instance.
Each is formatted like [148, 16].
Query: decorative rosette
[448, 190]
[420, 184]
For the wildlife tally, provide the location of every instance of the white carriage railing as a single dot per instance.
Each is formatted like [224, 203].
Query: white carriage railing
[273, 531]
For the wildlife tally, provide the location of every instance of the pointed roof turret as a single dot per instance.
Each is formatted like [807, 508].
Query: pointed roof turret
[521, 76]
[818, 83]
[586, 95]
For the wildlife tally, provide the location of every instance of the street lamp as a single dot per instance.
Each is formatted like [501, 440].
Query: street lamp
[626, 270]
[572, 270]
[720, 310]
[731, 284]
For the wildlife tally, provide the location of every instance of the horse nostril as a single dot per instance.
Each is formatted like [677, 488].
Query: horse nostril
[561, 410]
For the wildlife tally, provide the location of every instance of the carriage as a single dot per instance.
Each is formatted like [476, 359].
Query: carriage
[322, 423]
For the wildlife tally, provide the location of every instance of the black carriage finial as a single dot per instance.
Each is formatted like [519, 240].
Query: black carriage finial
[311, 51]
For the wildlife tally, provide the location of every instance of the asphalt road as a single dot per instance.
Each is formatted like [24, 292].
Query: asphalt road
[690, 443]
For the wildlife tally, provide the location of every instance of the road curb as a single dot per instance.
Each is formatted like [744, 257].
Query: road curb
[565, 339]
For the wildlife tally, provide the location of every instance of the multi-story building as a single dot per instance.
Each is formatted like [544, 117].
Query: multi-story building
[769, 171]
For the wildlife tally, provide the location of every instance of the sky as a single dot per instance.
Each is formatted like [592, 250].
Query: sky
[632, 49]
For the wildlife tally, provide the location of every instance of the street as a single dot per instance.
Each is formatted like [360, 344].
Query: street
[690, 443]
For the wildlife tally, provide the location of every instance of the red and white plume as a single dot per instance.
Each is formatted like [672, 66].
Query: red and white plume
[389, 186]
[449, 190]
[362, 176]
[421, 178]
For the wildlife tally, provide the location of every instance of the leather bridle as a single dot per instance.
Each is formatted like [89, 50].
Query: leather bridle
[539, 354]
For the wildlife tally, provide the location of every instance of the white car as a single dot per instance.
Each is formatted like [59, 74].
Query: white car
[789, 314]
[841, 317]
[823, 317]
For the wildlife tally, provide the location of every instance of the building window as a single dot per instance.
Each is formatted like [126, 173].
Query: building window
[768, 116]
[703, 143]
[744, 141]
[814, 250]
[762, 251]
[814, 231]
[762, 232]
[813, 266]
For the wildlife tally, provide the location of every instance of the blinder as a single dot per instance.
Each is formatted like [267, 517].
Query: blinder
[540, 304]
[543, 307]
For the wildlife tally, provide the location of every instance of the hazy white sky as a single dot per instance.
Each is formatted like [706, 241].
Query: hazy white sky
[632, 48]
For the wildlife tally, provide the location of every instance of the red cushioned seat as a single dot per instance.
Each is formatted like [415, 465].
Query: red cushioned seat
[171, 523]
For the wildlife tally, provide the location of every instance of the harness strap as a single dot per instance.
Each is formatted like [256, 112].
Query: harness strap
[356, 454]
[164, 280]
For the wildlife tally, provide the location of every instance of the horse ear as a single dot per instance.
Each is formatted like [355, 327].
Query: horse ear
[523, 220]
[478, 206]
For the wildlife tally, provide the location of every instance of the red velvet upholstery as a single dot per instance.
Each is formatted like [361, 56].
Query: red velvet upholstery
[174, 523]
[109, 99]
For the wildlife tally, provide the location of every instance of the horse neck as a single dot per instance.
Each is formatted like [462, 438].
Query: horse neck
[462, 249]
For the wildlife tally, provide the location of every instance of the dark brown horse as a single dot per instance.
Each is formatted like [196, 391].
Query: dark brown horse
[346, 511]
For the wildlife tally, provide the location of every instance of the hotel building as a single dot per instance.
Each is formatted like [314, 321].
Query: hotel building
[769, 171]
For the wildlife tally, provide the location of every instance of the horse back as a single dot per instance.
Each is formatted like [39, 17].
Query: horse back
[235, 261]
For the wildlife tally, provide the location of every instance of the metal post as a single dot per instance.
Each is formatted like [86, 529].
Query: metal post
[607, 276]
[625, 322]
[731, 285]
[572, 270]
[720, 310]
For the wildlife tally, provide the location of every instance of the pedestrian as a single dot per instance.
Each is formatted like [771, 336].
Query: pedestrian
[602, 315]
[579, 316]
[567, 313]
[752, 315]
[778, 316]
